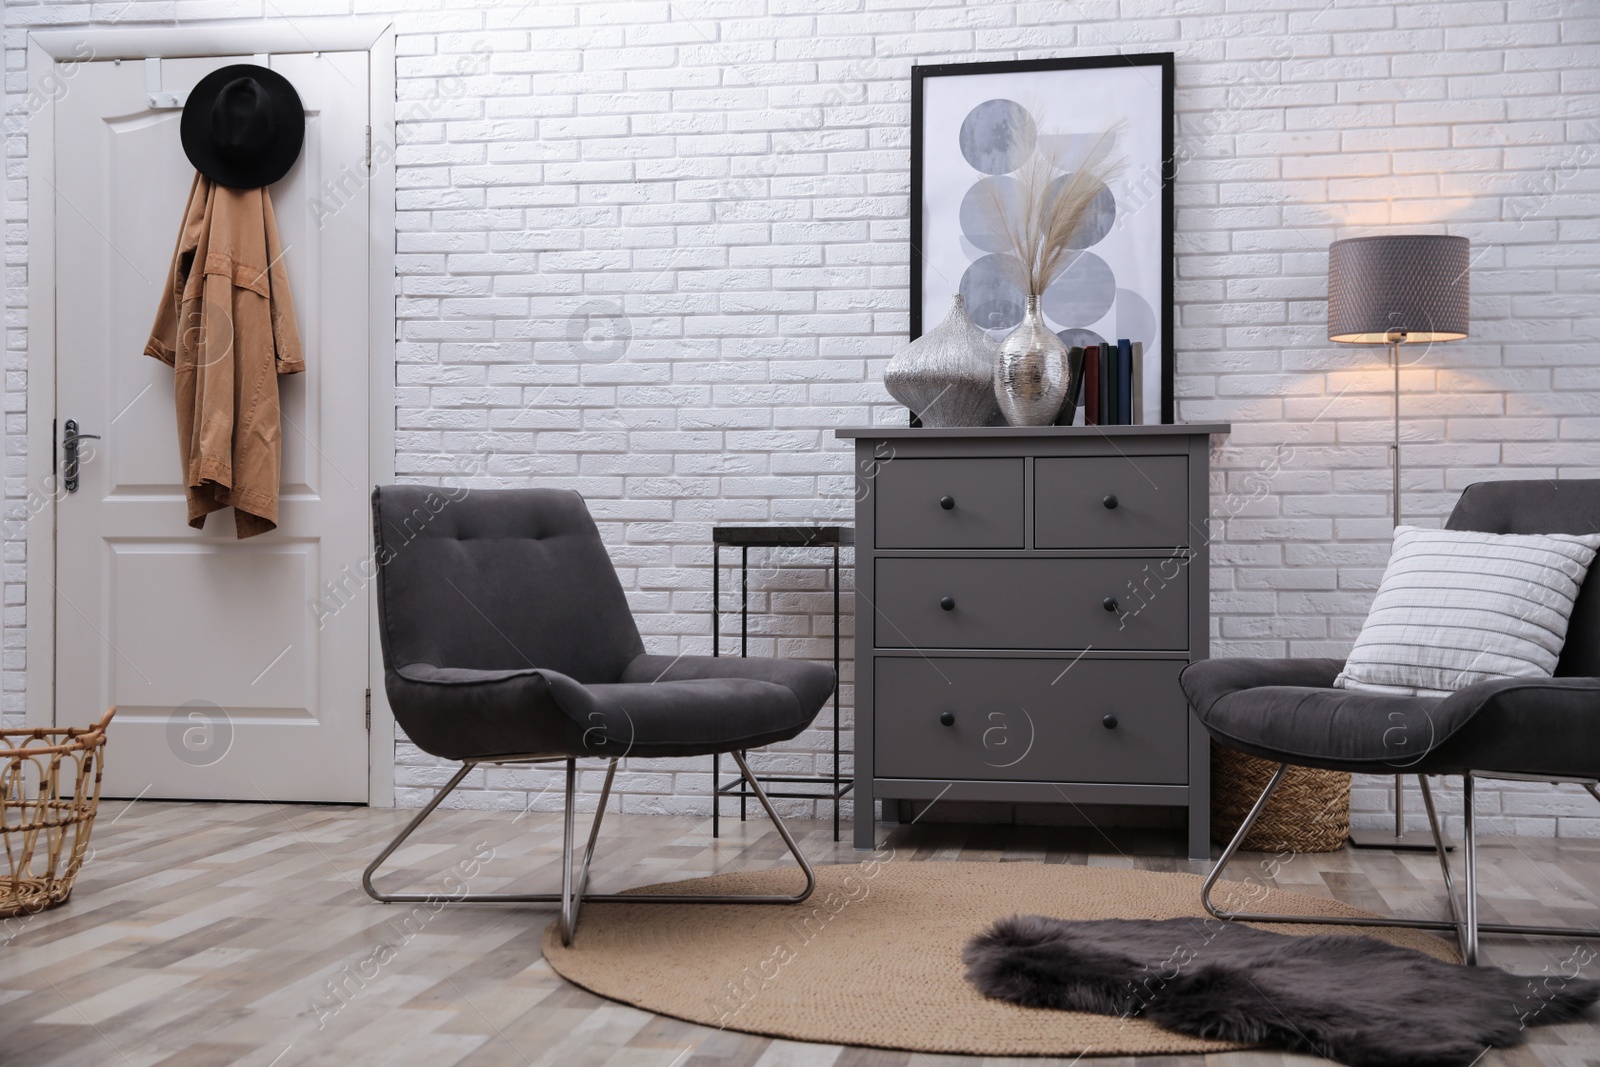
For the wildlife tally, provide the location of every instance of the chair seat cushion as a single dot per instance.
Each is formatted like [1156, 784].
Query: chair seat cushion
[697, 705]
[1288, 711]
[663, 706]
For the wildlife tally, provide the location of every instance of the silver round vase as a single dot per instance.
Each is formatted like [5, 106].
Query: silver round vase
[1030, 371]
[946, 376]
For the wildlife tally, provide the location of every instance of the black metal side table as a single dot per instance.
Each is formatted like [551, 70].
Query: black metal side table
[745, 538]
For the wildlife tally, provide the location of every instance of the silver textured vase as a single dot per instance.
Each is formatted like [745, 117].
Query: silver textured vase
[946, 376]
[1030, 371]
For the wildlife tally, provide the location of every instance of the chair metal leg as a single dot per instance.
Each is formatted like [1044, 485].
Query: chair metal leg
[429, 898]
[594, 828]
[574, 877]
[1438, 838]
[1238, 839]
[737, 898]
[783, 830]
[571, 903]
[1464, 922]
[1442, 851]
[1469, 887]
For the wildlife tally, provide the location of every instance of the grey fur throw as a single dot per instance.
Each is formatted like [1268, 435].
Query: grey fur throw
[1355, 1000]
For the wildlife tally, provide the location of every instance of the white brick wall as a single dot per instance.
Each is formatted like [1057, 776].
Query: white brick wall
[724, 181]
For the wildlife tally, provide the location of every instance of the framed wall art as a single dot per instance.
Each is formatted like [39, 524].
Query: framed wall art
[978, 123]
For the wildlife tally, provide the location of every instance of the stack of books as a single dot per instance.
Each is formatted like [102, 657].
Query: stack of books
[1107, 382]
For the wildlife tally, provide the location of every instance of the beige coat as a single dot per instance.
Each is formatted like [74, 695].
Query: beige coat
[226, 327]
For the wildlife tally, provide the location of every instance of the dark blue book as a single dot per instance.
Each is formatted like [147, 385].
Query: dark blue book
[1125, 381]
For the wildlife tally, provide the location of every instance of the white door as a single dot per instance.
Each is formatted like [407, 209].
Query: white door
[230, 681]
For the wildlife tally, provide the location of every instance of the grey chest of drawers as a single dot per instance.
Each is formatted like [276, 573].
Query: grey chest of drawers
[1026, 598]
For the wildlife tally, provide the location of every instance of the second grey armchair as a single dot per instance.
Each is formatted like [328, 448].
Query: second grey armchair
[1536, 729]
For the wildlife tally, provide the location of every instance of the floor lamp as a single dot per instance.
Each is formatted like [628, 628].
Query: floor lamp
[1395, 290]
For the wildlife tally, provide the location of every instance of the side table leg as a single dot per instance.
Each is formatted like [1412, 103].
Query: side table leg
[716, 650]
[837, 685]
[744, 640]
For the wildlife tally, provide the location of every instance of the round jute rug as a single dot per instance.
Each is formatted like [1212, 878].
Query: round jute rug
[874, 957]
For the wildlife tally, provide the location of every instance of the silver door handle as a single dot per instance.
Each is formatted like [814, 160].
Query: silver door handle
[69, 453]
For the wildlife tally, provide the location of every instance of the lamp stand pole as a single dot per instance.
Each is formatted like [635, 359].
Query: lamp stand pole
[1394, 449]
[1415, 840]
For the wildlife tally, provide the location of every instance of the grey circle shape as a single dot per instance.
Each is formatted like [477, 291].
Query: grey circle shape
[1097, 219]
[997, 136]
[993, 298]
[199, 733]
[599, 330]
[1080, 338]
[1082, 293]
[1136, 319]
[976, 216]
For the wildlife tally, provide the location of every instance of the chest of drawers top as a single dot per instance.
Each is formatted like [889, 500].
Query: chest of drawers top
[1034, 433]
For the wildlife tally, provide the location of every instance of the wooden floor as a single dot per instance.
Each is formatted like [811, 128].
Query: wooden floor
[208, 934]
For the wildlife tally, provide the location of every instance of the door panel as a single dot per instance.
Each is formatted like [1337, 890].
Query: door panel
[246, 678]
[229, 682]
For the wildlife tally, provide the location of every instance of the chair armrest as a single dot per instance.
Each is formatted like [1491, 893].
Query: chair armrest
[1208, 680]
[1540, 726]
[426, 674]
[458, 713]
[1511, 693]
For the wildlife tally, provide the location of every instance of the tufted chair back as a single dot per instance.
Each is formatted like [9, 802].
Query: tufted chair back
[498, 579]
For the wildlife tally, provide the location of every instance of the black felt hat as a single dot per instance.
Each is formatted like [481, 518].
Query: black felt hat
[243, 126]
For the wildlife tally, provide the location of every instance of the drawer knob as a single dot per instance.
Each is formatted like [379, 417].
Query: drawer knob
[948, 603]
[1109, 722]
[1109, 603]
[947, 502]
[948, 718]
[1110, 501]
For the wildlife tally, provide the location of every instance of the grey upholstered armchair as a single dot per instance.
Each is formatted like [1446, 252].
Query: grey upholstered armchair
[1544, 729]
[507, 639]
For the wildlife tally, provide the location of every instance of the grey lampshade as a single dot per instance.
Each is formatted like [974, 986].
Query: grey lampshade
[1415, 283]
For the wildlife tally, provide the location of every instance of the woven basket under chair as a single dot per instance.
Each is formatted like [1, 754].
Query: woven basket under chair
[1310, 812]
[49, 793]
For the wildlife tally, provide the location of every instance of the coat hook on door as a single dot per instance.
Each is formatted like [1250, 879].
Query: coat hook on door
[154, 97]
[157, 100]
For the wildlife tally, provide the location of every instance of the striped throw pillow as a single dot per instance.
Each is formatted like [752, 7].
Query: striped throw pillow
[1457, 607]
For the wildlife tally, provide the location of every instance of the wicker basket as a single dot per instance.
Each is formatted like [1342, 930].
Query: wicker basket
[49, 793]
[1310, 812]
